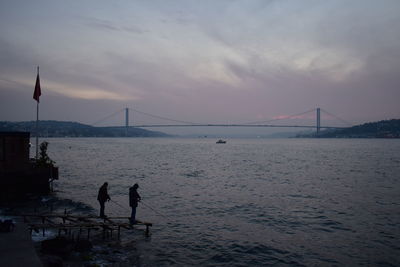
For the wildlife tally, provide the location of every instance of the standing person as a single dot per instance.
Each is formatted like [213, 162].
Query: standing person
[134, 198]
[102, 197]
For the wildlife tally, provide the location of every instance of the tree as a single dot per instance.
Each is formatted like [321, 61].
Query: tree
[44, 159]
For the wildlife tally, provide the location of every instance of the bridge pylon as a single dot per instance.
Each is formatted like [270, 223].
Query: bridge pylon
[318, 120]
[126, 121]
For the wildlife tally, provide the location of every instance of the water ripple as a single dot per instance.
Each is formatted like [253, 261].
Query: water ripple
[260, 202]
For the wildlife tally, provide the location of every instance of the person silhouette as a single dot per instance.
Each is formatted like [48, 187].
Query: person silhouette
[134, 198]
[102, 197]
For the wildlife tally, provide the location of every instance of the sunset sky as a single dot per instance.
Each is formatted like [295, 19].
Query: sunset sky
[217, 61]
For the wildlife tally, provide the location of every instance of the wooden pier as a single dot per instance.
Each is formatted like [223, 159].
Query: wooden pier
[81, 224]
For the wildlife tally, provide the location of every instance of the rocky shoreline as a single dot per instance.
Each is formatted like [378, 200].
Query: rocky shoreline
[63, 250]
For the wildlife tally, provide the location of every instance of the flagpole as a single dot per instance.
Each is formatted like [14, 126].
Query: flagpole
[37, 123]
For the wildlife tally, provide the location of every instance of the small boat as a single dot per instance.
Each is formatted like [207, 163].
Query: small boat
[220, 141]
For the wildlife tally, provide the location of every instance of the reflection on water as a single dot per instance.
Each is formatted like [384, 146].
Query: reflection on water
[248, 202]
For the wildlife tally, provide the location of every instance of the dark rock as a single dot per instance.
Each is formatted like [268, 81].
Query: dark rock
[52, 261]
[83, 245]
[59, 246]
[6, 226]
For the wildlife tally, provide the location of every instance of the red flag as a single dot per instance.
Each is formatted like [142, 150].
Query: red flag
[37, 92]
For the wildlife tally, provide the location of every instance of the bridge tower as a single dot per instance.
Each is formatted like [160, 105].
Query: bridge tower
[318, 120]
[126, 121]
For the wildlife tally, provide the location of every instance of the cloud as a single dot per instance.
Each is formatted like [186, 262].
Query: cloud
[314, 38]
[108, 25]
[291, 117]
[266, 57]
[101, 24]
[79, 91]
[86, 92]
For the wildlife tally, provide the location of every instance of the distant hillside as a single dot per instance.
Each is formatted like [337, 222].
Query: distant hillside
[380, 129]
[74, 129]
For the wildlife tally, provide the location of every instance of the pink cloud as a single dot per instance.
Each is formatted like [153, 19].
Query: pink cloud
[304, 116]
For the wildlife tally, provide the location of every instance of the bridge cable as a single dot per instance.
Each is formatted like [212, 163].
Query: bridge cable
[107, 117]
[336, 117]
[288, 117]
[164, 118]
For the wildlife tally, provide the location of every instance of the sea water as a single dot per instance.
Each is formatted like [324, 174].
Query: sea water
[249, 202]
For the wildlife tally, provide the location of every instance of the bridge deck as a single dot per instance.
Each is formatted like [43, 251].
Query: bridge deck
[233, 125]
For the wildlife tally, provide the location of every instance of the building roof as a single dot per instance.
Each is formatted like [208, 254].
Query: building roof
[20, 134]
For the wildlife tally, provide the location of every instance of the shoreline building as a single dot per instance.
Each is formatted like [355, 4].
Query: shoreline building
[21, 175]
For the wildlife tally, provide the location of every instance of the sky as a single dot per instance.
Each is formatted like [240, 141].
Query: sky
[209, 61]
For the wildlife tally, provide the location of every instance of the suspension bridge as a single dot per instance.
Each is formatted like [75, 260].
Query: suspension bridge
[266, 123]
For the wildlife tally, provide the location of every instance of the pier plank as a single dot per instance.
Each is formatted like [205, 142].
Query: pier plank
[88, 222]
